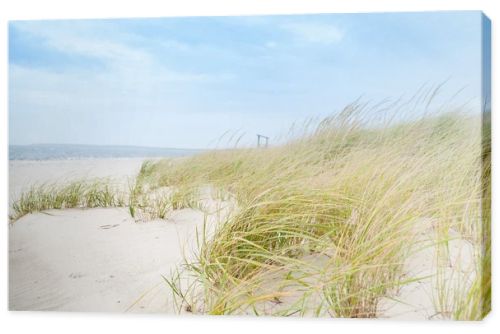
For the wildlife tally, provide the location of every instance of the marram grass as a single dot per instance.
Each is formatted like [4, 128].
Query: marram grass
[323, 222]
[77, 194]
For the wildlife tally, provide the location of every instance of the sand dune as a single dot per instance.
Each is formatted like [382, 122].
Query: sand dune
[92, 259]
[102, 259]
[95, 259]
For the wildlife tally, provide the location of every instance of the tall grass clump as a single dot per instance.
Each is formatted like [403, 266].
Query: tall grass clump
[150, 200]
[77, 194]
[326, 220]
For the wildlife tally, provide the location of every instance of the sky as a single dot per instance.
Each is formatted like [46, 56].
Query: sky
[198, 82]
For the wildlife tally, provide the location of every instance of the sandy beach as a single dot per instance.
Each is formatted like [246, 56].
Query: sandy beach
[102, 259]
[97, 259]
[278, 165]
[25, 173]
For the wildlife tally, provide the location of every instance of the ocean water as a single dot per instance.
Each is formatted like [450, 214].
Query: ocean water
[68, 151]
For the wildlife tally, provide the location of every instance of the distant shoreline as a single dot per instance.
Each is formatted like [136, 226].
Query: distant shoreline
[76, 159]
[43, 152]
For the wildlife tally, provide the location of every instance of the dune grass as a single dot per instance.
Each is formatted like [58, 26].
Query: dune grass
[149, 201]
[325, 221]
[145, 201]
[76, 194]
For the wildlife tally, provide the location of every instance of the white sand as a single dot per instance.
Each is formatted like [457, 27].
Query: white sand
[92, 259]
[419, 299]
[102, 260]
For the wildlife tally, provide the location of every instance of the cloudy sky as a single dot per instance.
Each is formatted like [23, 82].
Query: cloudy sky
[184, 82]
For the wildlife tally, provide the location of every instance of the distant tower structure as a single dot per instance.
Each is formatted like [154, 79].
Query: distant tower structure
[262, 141]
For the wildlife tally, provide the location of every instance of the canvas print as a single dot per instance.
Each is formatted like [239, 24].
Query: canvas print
[322, 165]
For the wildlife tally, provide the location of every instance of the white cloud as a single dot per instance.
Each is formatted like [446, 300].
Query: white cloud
[132, 82]
[320, 33]
[122, 60]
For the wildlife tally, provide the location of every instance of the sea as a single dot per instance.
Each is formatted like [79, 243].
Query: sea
[75, 152]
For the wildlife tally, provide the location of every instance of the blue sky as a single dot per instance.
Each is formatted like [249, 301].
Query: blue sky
[184, 82]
